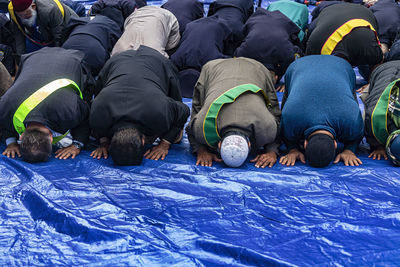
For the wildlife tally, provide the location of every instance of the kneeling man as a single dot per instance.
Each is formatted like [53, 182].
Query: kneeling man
[139, 101]
[234, 109]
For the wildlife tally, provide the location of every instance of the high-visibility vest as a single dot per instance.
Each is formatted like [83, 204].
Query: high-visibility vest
[36, 98]
[338, 35]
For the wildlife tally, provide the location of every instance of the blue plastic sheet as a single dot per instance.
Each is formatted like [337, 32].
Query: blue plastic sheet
[174, 213]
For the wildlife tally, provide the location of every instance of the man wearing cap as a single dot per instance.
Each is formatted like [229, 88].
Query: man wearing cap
[348, 31]
[382, 112]
[234, 110]
[38, 23]
[138, 101]
[319, 111]
[151, 26]
[45, 106]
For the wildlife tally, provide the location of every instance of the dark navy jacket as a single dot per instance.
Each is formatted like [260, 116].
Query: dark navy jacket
[76, 6]
[125, 6]
[95, 38]
[236, 13]
[63, 110]
[320, 95]
[275, 48]
[387, 13]
[185, 11]
[203, 40]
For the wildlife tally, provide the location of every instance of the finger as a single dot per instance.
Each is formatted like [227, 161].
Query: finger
[198, 162]
[255, 159]
[105, 153]
[370, 155]
[282, 160]
[385, 156]
[379, 156]
[163, 156]
[147, 152]
[73, 155]
[261, 163]
[93, 154]
[346, 162]
[359, 161]
[302, 159]
[265, 163]
[216, 159]
[59, 151]
[271, 164]
[336, 159]
[12, 153]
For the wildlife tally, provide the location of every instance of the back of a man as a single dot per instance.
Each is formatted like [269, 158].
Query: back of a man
[185, 11]
[203, 40]
[62, 110]
[138, 90]
[249, 113]
[320, 96]
[151, 26]
[95, 38]
[348, 31]
[275, 48]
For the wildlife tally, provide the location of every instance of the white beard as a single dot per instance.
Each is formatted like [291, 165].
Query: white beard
[31, 21]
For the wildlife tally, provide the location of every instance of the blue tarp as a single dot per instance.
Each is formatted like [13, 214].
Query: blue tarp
[173, 213]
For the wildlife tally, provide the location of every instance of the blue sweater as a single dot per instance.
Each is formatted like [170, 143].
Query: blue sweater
[320, 96]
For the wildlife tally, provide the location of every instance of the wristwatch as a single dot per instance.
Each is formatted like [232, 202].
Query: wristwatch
[77, 144]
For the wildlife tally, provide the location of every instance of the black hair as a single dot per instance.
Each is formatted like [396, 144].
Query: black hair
[126, 147]
[35, 146]
[320, 150]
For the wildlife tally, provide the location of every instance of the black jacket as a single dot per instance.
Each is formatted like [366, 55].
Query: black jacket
[95, 38]
[275, 48]
[61, 111]
[139, 88]
[185, 11]
[359, 47]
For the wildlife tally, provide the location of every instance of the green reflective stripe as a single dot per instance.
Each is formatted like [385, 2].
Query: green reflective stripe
[379, 115]
[36, 98]
[210, 129]
[58, 138]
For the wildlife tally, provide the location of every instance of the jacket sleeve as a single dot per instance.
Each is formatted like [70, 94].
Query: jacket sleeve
[174, 36]
[56, 24]
[197, 104]
[182, 112]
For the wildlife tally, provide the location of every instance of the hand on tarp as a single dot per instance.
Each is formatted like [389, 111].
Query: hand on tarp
[102, 150]
[291, 157]
[265, 159]
[378, 153]
[12, 150]
[205, 158]
[66, 152]
[99, 152]
[158, 151]
[348, 157]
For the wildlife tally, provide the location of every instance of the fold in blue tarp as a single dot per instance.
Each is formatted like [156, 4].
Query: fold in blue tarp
[173, 213]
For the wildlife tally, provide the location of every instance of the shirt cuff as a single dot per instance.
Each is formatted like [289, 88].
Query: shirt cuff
[11, 140]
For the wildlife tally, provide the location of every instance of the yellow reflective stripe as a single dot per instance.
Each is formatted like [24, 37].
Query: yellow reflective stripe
[341, 32]
[60, 7]
[36, 98]
[12, 14]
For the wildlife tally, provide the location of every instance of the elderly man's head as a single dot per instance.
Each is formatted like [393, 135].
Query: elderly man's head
[26, 11]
